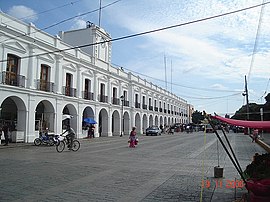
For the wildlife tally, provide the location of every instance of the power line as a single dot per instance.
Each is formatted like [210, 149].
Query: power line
[143, 33]
[210, 98]
[175, 84]
[256, 40]
[46, 11]
[62, 21]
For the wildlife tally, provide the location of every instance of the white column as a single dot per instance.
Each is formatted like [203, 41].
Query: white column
[95, 86]
[79, 82]
[58, 118]
[31, 67]
[110, 122]
[109, 91]
[30, 136]
[58, 74]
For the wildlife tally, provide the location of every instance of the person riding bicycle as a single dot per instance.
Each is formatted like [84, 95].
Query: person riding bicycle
[70, 136]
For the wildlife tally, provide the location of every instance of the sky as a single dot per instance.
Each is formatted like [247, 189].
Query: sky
[202, 61]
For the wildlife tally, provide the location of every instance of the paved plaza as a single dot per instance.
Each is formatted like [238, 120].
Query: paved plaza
[161, 168]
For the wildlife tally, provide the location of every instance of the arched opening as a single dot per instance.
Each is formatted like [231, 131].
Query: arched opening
[13, 113]
[144, 122]
[116, 122]
[70, 110]
[103, 123]
[44, 116]
[138, 123]
[126, 123]
[150, 120]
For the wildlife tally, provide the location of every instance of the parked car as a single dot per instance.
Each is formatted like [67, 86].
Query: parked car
[153, 130]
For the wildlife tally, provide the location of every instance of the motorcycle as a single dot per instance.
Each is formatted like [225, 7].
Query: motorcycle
[45, 139]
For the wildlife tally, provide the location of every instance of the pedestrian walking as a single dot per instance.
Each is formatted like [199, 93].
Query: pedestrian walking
[132, 137]
[255, 135]
[5, 130]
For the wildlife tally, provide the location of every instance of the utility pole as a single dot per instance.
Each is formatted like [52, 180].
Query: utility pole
[99, 16]
[246, 94]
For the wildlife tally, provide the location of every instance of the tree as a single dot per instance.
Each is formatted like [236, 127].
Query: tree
[197, 117]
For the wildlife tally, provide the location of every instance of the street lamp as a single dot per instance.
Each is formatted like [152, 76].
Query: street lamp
[122, 97]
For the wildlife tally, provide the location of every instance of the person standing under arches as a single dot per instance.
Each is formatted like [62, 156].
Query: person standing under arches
[5, 130]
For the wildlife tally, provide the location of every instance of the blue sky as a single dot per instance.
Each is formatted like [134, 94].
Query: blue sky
[206, 62]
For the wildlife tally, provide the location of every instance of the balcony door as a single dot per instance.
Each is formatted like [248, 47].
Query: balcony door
[12, 69]
[44, 77]
[68, 83]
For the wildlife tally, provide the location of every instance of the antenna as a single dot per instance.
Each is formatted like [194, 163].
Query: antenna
[99, 16]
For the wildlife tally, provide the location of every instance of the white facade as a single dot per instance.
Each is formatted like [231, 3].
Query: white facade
[42, 77]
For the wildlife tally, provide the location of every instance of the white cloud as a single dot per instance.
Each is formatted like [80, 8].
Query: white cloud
[79, 24]
[23, 12]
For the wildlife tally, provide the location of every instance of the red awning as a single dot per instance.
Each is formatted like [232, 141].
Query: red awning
[247, 124]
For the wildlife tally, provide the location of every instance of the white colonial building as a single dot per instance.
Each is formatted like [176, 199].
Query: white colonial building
[43, 77]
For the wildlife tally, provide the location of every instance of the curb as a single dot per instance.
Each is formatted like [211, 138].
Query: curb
[263, 145]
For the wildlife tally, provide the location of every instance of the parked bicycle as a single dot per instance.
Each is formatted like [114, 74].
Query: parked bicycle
[63, 142]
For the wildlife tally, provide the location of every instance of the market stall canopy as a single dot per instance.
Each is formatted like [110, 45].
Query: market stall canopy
[89, 120]
[247, 124]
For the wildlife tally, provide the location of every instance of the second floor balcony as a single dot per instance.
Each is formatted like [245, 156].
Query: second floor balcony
[10, 78]
[45, 86]
[144, 106]
[151, 108]
[88, 95]
[103, 98]
[137, 105]
[115, 101]
[68, 91]
[160, 109]
[156, 109]
[126, 103]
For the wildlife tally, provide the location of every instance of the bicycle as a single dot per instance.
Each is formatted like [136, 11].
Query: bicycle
[60, 146]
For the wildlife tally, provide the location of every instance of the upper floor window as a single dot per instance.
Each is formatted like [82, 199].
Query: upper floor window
[102, 89]
[12, 63]
[44, 73]
[114, 92]
[87, 87]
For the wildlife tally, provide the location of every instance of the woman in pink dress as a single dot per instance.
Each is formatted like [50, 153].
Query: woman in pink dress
[132, 137]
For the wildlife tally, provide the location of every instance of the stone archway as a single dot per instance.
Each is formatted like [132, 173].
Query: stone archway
[126, 121]
[116, 123]
[44, 116]
[71, 110]
[150, 120]
[13, 112]
[144, 123]
[156, 120]
[138, 123]
[103, 123]
[161, 120]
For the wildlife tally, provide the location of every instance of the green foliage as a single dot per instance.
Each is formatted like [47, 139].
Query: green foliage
[254, 111]
[197, 117]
